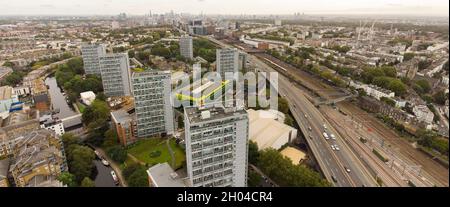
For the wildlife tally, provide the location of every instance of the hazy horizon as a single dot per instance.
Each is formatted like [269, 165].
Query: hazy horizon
[432, 8]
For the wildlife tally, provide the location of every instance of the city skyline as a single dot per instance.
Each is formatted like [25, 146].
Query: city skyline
[232, 7]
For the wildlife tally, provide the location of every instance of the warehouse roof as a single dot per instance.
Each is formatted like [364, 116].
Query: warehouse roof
[264, 129]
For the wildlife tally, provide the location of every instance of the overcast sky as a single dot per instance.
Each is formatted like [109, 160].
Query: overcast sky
[112, 7]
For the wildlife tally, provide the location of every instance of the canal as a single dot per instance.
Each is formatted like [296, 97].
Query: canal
[103, 178]
[58, 100]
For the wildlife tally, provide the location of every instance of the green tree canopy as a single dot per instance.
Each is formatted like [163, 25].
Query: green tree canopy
[96, 115]
[253, 153]
[87, 182]
[118, 154]
[135, 175]
[285, 173]
[440, 97]
[68, 179]
[81, 162]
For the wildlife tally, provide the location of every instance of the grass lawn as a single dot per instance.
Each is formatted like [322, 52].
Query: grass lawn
[81, 107]
[154, 150]
[180, 155]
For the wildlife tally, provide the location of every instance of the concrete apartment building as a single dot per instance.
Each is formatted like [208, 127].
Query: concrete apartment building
[187, 47]
[216, 146]
[115, 72]
[153, 103]
[227, 60]
[91, 54]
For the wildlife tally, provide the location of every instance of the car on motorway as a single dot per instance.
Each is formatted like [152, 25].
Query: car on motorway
[105, 163]
[332, 147]
[114, 176]
[309, 128]
[336, 147]
[334, 178]
[332, 136]
[347, 169]
[306, 116]
[324, 126]
[325, 135]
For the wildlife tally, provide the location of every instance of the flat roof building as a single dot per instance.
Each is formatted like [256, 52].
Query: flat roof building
[125, 125]
[91, 54]
[267, 129]
[186, 47]
[162, 175]
[216, 146]
[115, 72]
[227, 61]
[152, 91]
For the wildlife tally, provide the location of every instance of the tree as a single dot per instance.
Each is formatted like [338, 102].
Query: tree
[87, 182]
[408, 56]
[285, 173]
[254, 179]
[440, 97]
[288, 120]
[111, 138]
[131, 54]
[253, 152]
[68, 179]
[14, 78]
[389, 71]
[96, 115]
[129, 169]
[118, 154]
[423, 64]
[423, 86]
[81, 162]
[397, 86]
[283, 105]
[8, 64]
[388, 101]
[138, 178]
[69, 139]
[76, 65]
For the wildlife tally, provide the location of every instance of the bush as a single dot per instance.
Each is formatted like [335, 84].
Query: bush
[118, 154]
[136, 175]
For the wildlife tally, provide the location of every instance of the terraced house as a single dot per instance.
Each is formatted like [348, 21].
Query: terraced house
[38, 159]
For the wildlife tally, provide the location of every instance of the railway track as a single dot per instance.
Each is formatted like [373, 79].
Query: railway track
[434, 171]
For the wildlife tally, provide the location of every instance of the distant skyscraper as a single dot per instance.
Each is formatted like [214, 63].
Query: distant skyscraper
[227, 60]
[186, 47]
[115, 71]
[216, 146]
[278, 22]
[153, 106]
[91, 54]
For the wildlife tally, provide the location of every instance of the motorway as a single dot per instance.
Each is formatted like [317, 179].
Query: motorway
[334, 164]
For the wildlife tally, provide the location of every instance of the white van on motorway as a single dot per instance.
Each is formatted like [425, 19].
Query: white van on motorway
[332, 136]
[325, 135]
